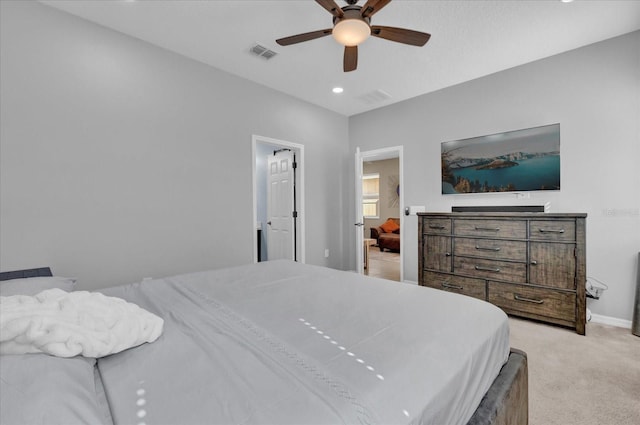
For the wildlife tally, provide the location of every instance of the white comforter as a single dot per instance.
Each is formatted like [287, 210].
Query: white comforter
[67, 324]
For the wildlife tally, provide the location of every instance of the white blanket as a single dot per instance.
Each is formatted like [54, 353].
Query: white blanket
[67, 324]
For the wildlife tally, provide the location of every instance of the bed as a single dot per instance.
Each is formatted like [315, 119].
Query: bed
[281, 342]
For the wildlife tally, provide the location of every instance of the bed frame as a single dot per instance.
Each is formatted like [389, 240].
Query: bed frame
[505, 403]
[21, 274]
[507, 400]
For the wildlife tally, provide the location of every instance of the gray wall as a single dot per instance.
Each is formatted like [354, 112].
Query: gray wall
[121, 160]
[594, 93]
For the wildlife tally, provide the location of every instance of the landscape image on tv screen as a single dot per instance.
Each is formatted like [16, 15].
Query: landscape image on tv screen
[514, 161]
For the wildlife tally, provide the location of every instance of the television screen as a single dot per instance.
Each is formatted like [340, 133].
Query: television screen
[514, 161]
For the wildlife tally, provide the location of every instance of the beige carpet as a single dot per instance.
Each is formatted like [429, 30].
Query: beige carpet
[574, 379]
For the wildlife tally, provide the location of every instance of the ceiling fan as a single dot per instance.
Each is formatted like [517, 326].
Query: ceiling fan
[352, 26]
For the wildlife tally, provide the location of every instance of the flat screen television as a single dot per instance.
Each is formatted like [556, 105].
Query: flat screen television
[513, 161]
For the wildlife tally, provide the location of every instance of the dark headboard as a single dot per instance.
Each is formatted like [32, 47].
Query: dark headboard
[21, 274]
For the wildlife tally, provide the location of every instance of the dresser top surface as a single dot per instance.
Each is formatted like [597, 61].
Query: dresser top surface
[534, 215]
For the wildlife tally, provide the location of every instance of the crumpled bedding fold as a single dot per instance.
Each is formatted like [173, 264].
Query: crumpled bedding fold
[67, 324]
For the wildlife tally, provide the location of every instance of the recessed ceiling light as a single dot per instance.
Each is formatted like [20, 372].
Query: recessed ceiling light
[337, 90]
[566, 1]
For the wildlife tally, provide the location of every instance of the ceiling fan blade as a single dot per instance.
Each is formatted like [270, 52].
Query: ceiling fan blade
[373, 6]
[350, 58]
[401, 35]
[299, 38]
[332, 7]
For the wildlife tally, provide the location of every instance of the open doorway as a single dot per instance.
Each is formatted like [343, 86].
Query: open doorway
[381, 203]
[380, 200]
[278, 199]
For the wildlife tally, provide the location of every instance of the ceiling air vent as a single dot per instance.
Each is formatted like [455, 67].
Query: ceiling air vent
[262, 51]
[375, 96]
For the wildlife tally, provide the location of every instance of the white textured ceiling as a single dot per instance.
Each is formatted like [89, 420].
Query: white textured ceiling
[470, 39]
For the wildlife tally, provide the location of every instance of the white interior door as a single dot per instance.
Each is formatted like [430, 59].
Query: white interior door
[359, 219]
[280, 206]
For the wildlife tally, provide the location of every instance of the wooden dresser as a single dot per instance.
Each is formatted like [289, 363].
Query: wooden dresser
[529, 264]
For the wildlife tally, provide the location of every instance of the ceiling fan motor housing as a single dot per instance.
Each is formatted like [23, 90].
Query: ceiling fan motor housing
[351, 12]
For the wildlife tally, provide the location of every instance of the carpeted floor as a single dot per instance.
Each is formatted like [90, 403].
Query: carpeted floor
[574, 379]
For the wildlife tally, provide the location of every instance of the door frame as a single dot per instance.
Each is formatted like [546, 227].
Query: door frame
[298, 149]
[379, 155]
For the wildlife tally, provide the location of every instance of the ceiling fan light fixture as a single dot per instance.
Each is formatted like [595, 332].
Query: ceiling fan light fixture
[352, 26]
[351, 32]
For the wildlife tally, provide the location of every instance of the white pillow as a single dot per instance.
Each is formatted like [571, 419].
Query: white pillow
[34, 285]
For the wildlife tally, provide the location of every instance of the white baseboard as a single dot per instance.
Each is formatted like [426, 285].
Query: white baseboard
[613, 321]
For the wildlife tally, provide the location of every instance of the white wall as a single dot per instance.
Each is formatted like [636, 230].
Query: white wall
[121, 160]
[594, 93]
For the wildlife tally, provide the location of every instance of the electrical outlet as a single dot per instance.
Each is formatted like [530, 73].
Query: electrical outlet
[326, 253]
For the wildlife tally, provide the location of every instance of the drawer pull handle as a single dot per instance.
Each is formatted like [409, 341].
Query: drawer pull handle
[534, 263]
[448, 285]
[436, 226]
[488, 269]
[488, 248]
[488, 229]
[447, 254]
[529, 300]
[551, 230]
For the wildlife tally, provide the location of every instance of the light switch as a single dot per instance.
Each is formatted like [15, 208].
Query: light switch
[414, 209]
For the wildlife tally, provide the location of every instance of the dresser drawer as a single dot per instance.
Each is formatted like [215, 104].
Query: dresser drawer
[437, 253]
[461, 285]
[490, 228]
[491, 269]
[556, 230]
[553, 264]
[543, 302]
[491, 248]
[437, 226]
